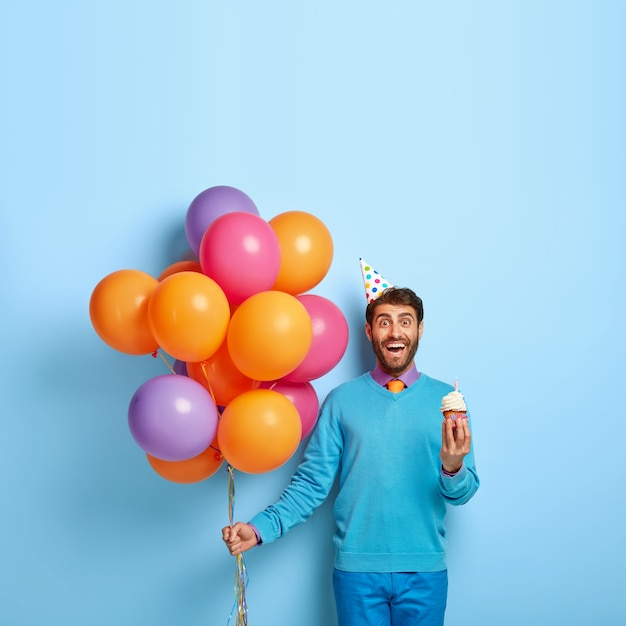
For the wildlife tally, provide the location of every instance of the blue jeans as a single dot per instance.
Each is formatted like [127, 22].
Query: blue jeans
[398, 599]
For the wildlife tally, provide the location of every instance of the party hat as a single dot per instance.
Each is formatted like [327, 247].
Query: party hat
[374, 283]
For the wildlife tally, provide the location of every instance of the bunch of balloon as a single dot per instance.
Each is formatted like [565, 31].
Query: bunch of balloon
[246, 337]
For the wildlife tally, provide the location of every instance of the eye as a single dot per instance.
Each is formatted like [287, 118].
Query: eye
[406, 322]
[384, 323]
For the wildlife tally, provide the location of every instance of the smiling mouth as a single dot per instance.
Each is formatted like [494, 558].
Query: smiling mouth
[395, 347]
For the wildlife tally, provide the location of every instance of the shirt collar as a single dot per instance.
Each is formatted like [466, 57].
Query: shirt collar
[382, 377]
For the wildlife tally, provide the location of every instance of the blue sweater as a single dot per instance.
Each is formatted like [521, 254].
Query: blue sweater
[392, 497]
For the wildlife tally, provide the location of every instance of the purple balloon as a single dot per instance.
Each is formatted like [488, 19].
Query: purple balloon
[209, 205]
[172, 417]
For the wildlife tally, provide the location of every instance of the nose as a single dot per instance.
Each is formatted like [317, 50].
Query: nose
[395, 329]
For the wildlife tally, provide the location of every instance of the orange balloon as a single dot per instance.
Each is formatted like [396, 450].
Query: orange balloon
[188, 314]
[192, 470]
[269, 335]
[306, 249]
[259, 431]
[180, 266]
[219, 375]
[118, 309]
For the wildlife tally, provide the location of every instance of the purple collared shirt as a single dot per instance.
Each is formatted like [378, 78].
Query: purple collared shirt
[382, 378]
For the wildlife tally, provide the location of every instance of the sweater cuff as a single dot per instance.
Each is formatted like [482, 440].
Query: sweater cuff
[259, 541]
[451, 474]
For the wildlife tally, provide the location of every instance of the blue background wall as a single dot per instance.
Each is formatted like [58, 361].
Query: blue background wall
[472, 150]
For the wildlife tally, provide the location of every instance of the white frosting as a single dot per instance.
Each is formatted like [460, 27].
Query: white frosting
[453, 401]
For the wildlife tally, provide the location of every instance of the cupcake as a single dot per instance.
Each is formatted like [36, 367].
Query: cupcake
[453, 405]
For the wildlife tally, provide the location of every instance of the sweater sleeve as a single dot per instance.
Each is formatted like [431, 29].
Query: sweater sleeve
[461, 487]
[310, 484]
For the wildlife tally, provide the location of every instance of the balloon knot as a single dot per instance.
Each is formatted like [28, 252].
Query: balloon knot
[155, 354]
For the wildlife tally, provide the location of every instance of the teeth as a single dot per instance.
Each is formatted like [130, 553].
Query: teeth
[395, 345]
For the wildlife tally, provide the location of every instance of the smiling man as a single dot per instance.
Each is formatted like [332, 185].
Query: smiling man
[398, 465]
[395, 330]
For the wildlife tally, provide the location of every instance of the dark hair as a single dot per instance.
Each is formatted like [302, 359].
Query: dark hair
[396, 295]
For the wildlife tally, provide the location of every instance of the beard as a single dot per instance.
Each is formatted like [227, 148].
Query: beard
[395, 363]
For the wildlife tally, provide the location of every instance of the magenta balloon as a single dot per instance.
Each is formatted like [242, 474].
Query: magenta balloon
[330, 338]
[172, 417]
[241, 253]
[304, 398]
[209, 205]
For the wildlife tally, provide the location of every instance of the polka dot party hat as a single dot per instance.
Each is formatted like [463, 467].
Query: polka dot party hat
[374, 283]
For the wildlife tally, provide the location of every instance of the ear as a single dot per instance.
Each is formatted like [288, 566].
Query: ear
[420, 330]
[368, 331]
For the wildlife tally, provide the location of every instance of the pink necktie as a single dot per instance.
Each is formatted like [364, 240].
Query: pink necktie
[395, 385]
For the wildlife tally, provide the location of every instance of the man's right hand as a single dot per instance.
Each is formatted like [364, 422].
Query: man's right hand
[239, 538]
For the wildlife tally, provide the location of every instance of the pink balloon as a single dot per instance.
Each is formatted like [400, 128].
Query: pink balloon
[241, 253]
[330, 339]
[303, 396]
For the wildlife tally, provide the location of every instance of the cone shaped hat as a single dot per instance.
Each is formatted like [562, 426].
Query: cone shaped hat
[373, 282]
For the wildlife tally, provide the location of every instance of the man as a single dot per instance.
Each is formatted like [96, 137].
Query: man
[398, 466]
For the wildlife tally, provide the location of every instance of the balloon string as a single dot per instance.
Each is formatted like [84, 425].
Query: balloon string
[240, 607]
[208, 384]
[169, 367]
[231, 494]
